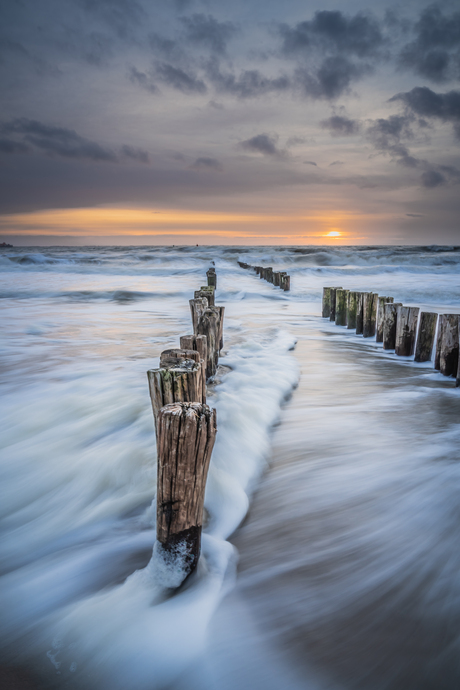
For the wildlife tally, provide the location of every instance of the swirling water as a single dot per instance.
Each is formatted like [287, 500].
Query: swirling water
[348, 566]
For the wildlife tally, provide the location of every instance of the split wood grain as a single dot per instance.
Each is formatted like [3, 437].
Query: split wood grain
[186, 436]
[406, 329]
[425, 336]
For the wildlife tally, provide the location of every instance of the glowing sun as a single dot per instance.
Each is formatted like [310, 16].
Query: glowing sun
[333, 233]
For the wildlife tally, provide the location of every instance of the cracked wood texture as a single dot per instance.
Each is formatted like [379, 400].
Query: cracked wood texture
[181, 382]
[206, 291]
[352, 308]
[186, 435]
[198, 343]
[369, 314]
[333, 302]
[197, 308]
[326, 307]
[341, 297]
[209, 325]
[381, 316]
[406, 329]
[360, 313]
[447, 346]
[425, 337]
[389, 325]
[212, 277]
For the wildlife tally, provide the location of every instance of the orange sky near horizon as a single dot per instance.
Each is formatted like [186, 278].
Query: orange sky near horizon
[331, 227]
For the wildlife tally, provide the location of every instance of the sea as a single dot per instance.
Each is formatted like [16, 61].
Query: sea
[330, 555]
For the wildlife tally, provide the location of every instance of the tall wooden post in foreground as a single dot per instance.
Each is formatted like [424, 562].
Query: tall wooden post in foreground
[186, 435]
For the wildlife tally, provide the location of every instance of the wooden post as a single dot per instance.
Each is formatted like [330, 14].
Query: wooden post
[197, 307]
[369, 314]
[406, 329]
[199, 344]
[269, 274]
[174, 357]
[425, 337]
[390, 312]
[221, 327]
[447, 344]
[206, 291]
[341, 307]
[352, 308]
[186, 435]
[360, 313]
[276, 278]
[209, 325]
[380, 317]
[261, 273]
[333, 302]
[326, 309]
[212, 277]
[283, 275]
[180, 382]
[287, 283]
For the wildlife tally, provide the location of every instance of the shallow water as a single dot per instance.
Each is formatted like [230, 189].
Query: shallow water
[347, 574]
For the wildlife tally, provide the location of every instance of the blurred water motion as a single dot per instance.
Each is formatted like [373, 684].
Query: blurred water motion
[348, 566]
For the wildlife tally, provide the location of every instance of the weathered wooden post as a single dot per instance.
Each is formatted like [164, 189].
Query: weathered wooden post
[206, 291]
[199, 344]
[326, 307]
[276, 278]
[360, 313]
[380, 317]
[287, 283]
[390, 314]
[425, 337]
[212, 277]
[369, 314]
[209, 325]
[406, 329]
[185, 439]
[269, 274]
[176, 380]
[352, 308]
[261, 273]
[333, 302]
[341, 307]
[447, 346]
[197, 307]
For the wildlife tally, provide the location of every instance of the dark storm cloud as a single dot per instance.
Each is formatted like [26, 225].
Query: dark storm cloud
[435, 51]
[424, 102]
[119, 15]
[142, 79]
[332, 50]
[359, 35]
[248, 84]
[11, 146]
[179, 79]
[206, 31]
[331, 79]
[57, 141]
[205, 163]
[23, 135]
[135, 154]
[265, 144]
[340, 125]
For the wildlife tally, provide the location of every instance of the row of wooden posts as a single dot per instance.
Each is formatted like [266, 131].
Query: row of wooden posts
[402, 329]
[185, 431]
[277, 278]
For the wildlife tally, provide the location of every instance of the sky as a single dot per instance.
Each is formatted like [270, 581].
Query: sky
[255, 122]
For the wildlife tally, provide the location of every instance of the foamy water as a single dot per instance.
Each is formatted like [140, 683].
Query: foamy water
[360, 502]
